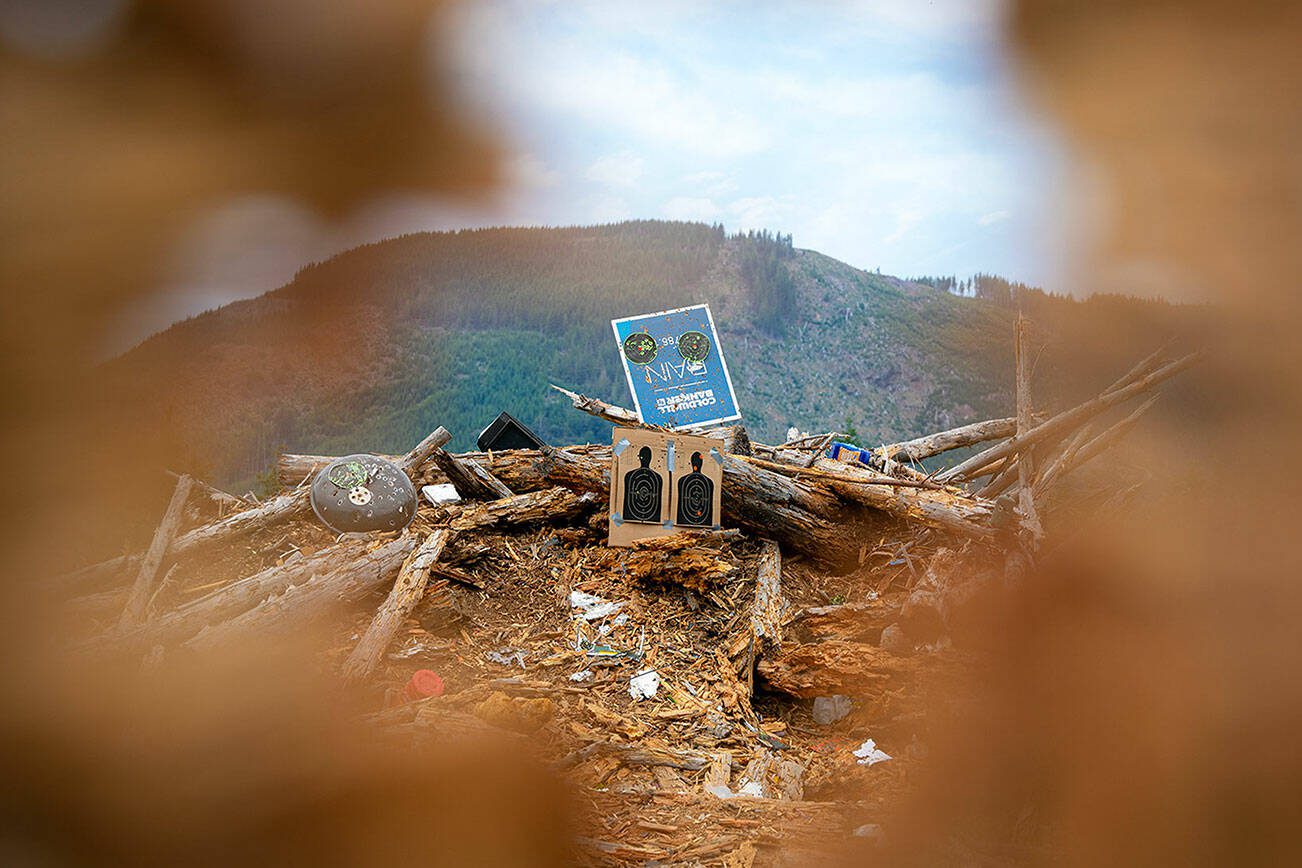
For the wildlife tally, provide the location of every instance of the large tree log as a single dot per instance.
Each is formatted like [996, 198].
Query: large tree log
[1086, 452]
[1067, 420]
[860, 621]
[469, 478]
[424, 450]
[1031, 526]
[346, 581]
[406, 593]
[758, 500]
[274, 511]
[734, 437]
[944, 441]
[240, 596]
[942, 508]
[835, 666]
[611, 413]
[806, 518]
[535, 507]
[134, 611]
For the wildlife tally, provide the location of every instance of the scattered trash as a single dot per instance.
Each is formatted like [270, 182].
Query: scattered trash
[848, 453]
[595, 649]
[830, 709]
[644, 684]
[869, 754]
[507, 656]
[363, 493]
[594, 607]
[423, 683]
[584, 675]
[437, 495]
[508, 432]
[750, 789]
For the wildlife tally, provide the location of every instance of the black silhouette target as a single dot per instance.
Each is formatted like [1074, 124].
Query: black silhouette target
[695, 497]
[643, 490]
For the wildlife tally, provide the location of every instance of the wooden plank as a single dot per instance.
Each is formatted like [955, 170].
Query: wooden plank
[141, 592]
[407, 591]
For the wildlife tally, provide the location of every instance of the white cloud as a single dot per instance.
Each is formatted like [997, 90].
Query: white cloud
[761, 212]
[698, 208]
[617, 170]
[992, 218]
[605, 209]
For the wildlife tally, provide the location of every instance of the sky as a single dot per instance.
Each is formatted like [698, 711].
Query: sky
[888, 134]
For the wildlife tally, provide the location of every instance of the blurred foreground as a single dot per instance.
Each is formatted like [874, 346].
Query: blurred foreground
[1128, 704]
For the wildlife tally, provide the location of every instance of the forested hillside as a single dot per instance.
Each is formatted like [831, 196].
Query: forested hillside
[373, 348]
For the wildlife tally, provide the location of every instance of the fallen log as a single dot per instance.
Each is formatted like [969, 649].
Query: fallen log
[858, 621]
[1033, 530]
[535, 507]
[406, 593]
[271, 512]
[611, 413]
[835, 666]
[469, 478]
[1091, 449]
[431, 445]
[223, 500]
[734, 437]
[143, 589]
[1067, 420]
[346, 581]
[945, 441]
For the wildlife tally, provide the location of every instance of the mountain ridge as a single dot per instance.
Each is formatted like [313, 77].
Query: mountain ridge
[373, 348]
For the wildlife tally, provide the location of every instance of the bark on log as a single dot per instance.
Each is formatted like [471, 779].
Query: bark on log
[412, 461]
[770, 608]
[535, 507]
[347, 581]
[859, 621]
[944, 441]
[470, 479]
[734, 437]
[1068, 419]
[224, 501]
[944, 509]
[143, 589]
[278, 509]
[406, 593]
[832, 667]
[1034, 531]
[213, 608]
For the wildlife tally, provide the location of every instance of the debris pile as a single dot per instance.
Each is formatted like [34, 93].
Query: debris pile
[714, 693]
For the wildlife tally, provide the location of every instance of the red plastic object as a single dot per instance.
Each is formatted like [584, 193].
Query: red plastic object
[424, 683]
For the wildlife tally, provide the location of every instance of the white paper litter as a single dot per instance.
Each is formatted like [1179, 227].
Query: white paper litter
[507, 656]
[444, 492]
[585, 675]
[751, 789]
[869, 754]
[644, 684]
[593, 607]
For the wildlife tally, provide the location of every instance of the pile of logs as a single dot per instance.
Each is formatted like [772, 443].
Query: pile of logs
[791, 495]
